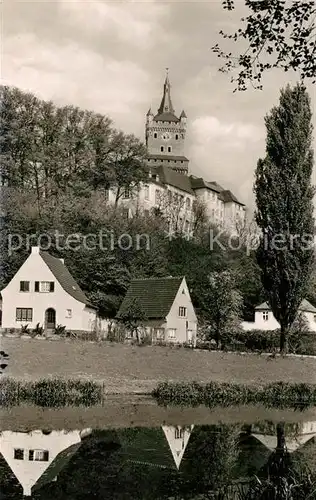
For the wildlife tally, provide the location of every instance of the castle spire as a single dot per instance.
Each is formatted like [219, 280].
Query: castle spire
[166, 104]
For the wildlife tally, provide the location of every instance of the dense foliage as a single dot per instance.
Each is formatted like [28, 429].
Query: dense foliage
[57, 165]
[284, 197]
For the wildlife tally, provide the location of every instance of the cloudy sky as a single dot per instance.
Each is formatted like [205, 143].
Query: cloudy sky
[111, 57]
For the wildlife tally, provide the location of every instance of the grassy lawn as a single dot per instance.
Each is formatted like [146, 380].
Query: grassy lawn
[129, 369]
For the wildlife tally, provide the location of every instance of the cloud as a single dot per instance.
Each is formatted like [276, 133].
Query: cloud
[207, 129]
[135, 23]
[69, 74]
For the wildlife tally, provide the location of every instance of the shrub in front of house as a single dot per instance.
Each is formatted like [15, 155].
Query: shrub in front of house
[302, 343]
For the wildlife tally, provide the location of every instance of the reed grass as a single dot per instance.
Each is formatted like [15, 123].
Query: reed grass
[275, 395]
[50, 393]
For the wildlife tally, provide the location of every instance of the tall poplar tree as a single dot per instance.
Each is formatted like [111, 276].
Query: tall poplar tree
[284, 197]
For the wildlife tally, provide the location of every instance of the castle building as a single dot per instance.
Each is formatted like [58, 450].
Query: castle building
[171, 187]
[165, 134]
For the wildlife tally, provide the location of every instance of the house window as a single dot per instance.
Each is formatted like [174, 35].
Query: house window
[38, 455]
[18, 454]
[265, 315]
[187, 226]
[154, 177]
[44, 286]
[24, 314]
[182, 312]
[169, 149]
[126, 193]
[178, 433]
[146, 192]
[315, 318]
[162, 149]
[160, 333]
[155, 135]
[157, 197]
[125, 213]
[172, 333]
[68, 313]
[146, 213]
[188, 203]
[24, 286]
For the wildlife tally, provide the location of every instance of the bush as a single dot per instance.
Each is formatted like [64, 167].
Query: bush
[275, 395]
[50, 393]
[303, 343]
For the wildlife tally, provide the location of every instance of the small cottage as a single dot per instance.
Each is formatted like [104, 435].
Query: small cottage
[167, 307]
[265, 320]
[37, 457]
[44, 292]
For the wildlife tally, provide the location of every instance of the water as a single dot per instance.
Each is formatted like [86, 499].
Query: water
[133, 449]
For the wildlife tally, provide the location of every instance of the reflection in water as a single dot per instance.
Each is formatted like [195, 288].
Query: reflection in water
[167, 462]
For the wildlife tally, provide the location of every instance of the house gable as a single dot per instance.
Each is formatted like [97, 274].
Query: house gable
[182, 299]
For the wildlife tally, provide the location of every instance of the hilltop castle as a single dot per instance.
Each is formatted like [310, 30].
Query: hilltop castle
[170, 186]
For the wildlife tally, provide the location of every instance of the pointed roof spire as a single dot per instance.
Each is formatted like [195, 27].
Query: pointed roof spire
[149, 112]
[166, 104]
[183, 115]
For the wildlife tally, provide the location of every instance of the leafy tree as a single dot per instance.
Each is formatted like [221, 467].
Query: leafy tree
[222, 304]
[284, 197]
[133, 318]
[279, 34]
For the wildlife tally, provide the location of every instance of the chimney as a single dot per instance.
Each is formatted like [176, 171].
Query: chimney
[35, 249]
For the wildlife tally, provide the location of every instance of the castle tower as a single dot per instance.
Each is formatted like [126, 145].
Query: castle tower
[165, 134]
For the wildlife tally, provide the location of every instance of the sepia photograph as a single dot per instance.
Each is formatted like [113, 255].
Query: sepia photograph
[157, 250]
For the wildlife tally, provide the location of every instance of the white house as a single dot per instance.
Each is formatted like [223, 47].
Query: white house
[37, 457]
[178, 438]
[167, 307]
[43, 291]
[306, 432]
[265, 320]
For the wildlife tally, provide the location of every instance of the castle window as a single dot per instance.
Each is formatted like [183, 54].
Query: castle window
[169, 149]
[155, 135]
[181, 161]
[177, 137]
[162, 149]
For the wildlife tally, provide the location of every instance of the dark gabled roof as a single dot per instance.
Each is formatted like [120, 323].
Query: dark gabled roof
[154, 295]
[166, 117]
[228, 196]
[224, 194]
[57, 465]
[199, 182]
[168, 176]
[146, 446]
[215, 186]
[168, 157]
[64, 278]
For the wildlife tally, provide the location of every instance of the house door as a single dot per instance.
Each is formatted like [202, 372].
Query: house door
[50, 319]
[189, 335]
